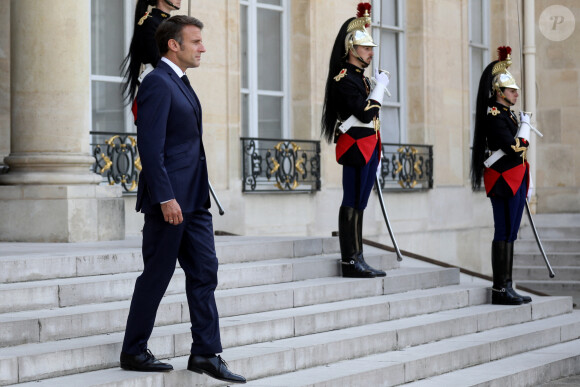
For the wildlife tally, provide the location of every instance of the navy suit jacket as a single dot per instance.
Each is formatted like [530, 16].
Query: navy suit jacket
[169, 139]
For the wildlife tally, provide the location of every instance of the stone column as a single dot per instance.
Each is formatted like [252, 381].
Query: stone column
[49, 193]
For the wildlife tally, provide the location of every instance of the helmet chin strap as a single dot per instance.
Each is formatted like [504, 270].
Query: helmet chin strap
[171, 4]
[358, 57]
[503, 97]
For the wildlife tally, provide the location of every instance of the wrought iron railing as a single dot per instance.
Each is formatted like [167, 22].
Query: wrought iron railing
[275, 165]
[270, 165]
[406, 167]
[117, 158]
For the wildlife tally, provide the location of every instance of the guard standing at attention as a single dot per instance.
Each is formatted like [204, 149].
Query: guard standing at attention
[350, 118]
[499, 156]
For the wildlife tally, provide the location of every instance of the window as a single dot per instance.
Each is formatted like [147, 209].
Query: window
[388, 34]
[478, 50]
[264, 68]
[111, 31]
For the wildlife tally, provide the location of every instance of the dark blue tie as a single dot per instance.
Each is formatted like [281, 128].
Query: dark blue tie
[186, 81]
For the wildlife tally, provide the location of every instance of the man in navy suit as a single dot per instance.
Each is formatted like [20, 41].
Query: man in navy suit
[174, 196]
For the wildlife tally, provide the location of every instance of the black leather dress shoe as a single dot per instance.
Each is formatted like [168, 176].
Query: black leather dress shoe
[145, 362]
[215, 367]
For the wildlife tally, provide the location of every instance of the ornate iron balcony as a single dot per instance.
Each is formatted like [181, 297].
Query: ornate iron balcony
[270, 165]
[116, 158]
[275, 165]
[406, 167]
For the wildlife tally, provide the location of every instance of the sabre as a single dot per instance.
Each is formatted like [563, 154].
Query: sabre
[380, 193]
[215, 198]
[539, 242]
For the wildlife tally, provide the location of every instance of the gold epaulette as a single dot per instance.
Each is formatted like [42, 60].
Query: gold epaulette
[340, 75]
[142, 20]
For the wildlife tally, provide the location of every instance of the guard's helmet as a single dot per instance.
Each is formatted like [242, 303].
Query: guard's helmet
[357, 34]
[502, 78]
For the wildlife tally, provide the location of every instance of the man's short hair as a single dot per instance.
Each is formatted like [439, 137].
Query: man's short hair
[171, 29]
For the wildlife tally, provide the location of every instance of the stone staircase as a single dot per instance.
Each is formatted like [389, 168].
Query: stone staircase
[560, 236]
[287, 319]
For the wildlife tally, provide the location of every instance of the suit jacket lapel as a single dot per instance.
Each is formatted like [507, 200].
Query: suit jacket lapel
[191, 98]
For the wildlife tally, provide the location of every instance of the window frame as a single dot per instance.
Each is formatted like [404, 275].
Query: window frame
[252, 91]
[399, 30]
[129, 13]
[483, 47]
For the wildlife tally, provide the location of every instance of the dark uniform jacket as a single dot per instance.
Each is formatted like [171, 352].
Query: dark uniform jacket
[505, 176]
[145, 37]
[351, 89]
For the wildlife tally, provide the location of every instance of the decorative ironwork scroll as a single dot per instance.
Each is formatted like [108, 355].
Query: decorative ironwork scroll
[406, 167]
[117, 158]
[275, 165]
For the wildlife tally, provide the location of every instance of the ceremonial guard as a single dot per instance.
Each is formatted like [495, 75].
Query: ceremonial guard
[499, 156]
[143, 52]
[350, 118]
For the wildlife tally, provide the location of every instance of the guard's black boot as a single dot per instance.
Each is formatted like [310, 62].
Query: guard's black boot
[358, 214]
[351, 265]
[499, 264]
[510, 289]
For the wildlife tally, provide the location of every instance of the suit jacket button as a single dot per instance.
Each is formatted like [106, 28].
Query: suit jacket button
[202, 158]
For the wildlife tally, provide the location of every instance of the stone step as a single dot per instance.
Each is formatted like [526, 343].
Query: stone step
[20, 262]
[556, 259]
[407, 364]
[555, 287]
[554, 220]
[550, 245]
[535, 273]
[99, 351]
[370, 355]
[551, 233]
[526, 369]
[64, 292]
[85, 320]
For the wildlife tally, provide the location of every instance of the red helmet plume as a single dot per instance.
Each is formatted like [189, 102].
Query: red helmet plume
[503, 52]
[363, 9]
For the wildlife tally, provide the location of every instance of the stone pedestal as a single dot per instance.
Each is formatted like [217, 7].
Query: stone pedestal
[49, 193]
[61, 213]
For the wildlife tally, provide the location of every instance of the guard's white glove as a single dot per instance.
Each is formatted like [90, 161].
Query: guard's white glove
[524, 118]
[382, 78]
[381, 83]
[530, 188]
[524, 130]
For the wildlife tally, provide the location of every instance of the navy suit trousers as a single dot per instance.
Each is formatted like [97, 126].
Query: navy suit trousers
[192, 243]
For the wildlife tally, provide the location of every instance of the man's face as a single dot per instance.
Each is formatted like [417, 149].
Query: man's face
[365, 52]
[191, 48]
[511, 95]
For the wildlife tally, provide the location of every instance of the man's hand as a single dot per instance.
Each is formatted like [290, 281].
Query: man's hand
[172, 212]
[524, 118]
[382, 78]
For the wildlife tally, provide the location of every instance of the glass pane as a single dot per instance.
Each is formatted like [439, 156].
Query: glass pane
[107, 37]
[245, 115]
[269, 117]
[476, 21]
[273, 2]
[269, 50]
[389, 12]
[388, 61]
[244, 49]
[108, 112]
[390, 126]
